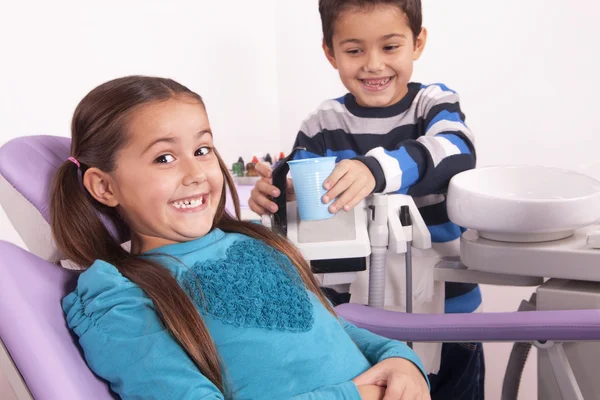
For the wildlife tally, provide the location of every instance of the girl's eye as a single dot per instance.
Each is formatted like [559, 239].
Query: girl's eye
[164, 159]
[203, 151]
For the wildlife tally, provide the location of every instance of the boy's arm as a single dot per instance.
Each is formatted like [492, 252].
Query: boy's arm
[426, 165]
[311, 138]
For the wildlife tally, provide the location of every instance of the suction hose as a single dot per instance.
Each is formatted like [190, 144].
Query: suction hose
[517, 360]
[377, 277]
[379, 238]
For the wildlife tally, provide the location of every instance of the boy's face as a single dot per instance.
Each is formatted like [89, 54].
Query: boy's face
[373, 51]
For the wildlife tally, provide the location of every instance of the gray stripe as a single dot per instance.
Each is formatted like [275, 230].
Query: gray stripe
[436, 150]
[332, 115]
[346, 121]
[429, 200]
[433, 96]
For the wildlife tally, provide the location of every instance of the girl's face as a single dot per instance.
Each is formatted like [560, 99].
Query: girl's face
[167, 183]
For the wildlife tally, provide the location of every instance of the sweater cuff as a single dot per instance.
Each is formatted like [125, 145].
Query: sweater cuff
[412, 357]
[376, 170]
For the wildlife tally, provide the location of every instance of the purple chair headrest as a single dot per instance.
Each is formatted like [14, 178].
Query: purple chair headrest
[27, 168]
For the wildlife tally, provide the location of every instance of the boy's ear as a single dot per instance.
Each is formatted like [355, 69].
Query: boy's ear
[100, 186]
[329, 54]
[420, 44]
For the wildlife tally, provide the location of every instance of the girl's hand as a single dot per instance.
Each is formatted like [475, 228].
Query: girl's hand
[260, 199]
[371, 392]
[401, 378]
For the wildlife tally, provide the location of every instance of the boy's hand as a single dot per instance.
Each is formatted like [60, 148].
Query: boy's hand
[353, 179]
[401, 378]
[260, 198]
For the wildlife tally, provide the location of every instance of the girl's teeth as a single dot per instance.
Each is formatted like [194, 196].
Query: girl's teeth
[189, 203]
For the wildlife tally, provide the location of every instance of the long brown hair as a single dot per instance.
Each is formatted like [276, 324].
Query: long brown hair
[78, 220]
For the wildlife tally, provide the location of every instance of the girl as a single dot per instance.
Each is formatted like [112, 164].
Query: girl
[204, 306]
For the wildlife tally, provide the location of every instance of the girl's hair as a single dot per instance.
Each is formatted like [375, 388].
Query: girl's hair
[78, 221]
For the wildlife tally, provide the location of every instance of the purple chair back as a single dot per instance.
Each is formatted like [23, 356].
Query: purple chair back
[34, 331]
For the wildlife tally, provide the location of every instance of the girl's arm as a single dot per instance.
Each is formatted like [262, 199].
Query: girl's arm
[125, 343]
[377, 348]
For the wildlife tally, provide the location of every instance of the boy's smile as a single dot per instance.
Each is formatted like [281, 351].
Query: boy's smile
[373, 51]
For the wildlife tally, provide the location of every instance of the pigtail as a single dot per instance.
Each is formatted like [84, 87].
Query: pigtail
[82, 236]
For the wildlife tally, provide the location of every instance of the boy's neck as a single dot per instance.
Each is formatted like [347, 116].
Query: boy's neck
[382, 112]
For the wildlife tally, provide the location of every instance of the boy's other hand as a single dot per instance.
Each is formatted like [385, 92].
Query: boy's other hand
[353, 180]
[260, 198]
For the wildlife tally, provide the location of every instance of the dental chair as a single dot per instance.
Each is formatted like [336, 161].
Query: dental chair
[41, 357]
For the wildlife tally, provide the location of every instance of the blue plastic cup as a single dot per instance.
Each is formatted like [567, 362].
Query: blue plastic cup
[308, 176]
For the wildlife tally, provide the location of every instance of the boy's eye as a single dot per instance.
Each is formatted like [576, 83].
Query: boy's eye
[164, 159]
[203, 151]
[353, 51]
[391, 47]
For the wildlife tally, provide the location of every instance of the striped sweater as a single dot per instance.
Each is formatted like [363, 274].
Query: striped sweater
[413, 147]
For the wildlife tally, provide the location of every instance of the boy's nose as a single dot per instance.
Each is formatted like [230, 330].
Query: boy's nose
[193, 173]
[374, 62]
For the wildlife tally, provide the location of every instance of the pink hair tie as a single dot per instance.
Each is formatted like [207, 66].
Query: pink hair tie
[74, 161]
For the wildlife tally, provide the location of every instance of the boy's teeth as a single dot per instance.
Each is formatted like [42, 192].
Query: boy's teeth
[376, 82]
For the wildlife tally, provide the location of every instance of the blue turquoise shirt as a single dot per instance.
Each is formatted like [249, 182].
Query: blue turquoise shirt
[275, 339]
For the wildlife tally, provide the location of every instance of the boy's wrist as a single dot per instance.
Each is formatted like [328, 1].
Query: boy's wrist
[376, 170]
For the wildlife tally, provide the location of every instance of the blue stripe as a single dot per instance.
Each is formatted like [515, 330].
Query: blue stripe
[408, 166]
[303, 154]
[467, 303]
[341, 100]
[445, 115]
[445, 232]
[341, 154]
[457, 141]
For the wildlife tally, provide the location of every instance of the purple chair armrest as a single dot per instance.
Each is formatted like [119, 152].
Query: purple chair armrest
[571, 325]
[34, 331]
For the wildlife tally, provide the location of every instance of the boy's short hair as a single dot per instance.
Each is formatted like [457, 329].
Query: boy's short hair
[330, 11]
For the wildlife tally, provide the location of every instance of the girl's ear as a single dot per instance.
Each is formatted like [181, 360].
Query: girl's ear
[100, 186]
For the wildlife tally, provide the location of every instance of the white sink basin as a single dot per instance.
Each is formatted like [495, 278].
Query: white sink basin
[523, 203]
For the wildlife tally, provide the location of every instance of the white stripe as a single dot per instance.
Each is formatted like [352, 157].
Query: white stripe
[435, 93]
[391, 169]
[439, 148]
[331, 105]
[449, 126]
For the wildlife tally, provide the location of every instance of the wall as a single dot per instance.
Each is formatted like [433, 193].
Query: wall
[526, 72]
[53, 56]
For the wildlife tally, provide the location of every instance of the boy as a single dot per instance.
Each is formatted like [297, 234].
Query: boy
[392, 136]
